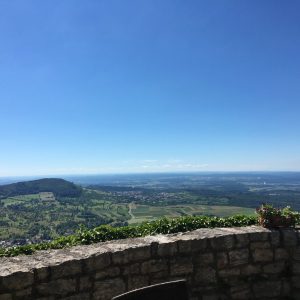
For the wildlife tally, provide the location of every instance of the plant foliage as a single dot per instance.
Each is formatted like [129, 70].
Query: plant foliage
[104, 233]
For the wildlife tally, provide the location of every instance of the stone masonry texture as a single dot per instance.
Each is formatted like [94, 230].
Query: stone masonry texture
[218, 264]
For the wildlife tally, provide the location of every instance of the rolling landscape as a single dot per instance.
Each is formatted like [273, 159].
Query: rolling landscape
[40, 210]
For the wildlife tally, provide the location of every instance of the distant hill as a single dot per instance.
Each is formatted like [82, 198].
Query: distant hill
[59, 187]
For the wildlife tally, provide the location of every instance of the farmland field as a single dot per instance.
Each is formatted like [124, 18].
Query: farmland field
[142, 213]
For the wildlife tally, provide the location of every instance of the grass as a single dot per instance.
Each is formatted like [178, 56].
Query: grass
[144, 213]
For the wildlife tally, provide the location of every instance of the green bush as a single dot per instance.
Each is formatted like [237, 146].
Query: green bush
[104, 233]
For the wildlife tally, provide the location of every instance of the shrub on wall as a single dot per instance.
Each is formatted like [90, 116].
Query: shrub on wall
[106, 233]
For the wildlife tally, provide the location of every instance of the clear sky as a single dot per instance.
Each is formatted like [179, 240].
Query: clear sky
[141, 86]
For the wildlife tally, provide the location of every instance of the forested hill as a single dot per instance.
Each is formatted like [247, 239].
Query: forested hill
[59, 187]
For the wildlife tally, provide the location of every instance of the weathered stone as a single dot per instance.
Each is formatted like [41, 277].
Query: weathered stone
[5, 297]
[274, 268]
[137, 281]
[275, 238]
[296, 282]
[281, 254]
[42, 274]
[153, 266]
[18, 281]
[192, 245]
[267, 289]
[57, 287]
[204, 259]
[258, 236]
[262, 255]
[250, 270]
[66, 269]
[109, 288]
[286, 288]
[296, 254]
[222, 260]
[97, 262]
[242, 240]
[108, 273]
[205, 275]
[225, 273]
[81, 296]
[181, 266]
[239, 257]
[296, 268]
[223, 242]
[260, 245]
[131, 269]
[24, 294]
[289, 237]
[241, 292]
[85, 283]
[131, 255]
[167, 249]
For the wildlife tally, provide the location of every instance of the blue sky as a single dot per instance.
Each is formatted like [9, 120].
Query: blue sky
[145, 86]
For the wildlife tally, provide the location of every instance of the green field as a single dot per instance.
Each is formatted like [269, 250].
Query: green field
[142, 213]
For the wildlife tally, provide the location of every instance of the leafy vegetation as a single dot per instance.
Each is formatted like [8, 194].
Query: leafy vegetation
[59, 187]
[270, 216]
[103, 233]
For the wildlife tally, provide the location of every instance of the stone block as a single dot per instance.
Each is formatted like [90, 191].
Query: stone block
[67, 269]
[131, 255]
[242, 240]
[281, 254]
[238, 257]
[18, 281]
[85, 283]
[296, 254]
[181, 266]
[275, 238]
[137, 281]
[97, 262]
[230, 272]
[289, 237]
[81, 296]
[204, 259]
[249, 270]
[24, 294]
[153, 266]
[42, 274]
[57, 287]
[258, 236]
[296, 267]
[106, 289]
[296, 282]
[222, 260]
[131, 269]
[274, 268]
[240, 292]
[205, 276]
[262, 255]
[108, 273]
[167, 249]
[192, 245]
[260, 245]
[5, 296]
[222, 242]
[267, 289]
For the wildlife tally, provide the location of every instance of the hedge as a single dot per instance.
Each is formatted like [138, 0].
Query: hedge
[104, 233]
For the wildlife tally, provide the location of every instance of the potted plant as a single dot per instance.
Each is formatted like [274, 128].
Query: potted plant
[272, 217]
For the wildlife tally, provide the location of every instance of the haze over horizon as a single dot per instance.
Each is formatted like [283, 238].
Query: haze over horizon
[99, 87]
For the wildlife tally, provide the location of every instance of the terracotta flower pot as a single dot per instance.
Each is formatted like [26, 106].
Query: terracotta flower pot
[276, 221]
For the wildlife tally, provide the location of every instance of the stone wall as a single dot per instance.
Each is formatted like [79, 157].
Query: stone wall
[223, 263]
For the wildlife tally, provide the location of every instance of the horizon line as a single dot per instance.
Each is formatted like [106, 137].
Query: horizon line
[147, 173]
